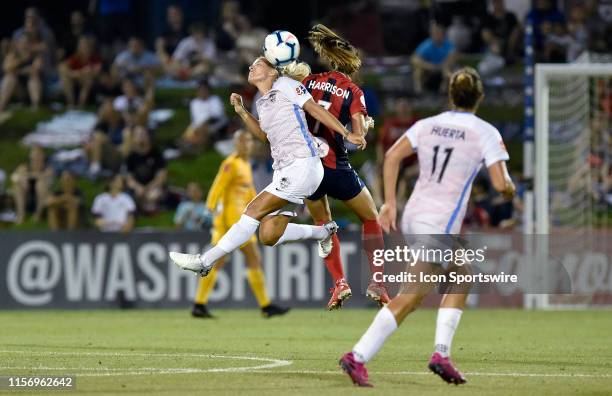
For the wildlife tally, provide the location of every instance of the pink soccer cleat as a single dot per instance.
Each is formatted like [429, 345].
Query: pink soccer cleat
[357, 371]
[445, 369]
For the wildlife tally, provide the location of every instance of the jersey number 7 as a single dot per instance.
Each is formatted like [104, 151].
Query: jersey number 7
[326, 105]
[448, 151]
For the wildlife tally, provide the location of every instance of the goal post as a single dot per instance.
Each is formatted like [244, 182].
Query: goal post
[573, 115]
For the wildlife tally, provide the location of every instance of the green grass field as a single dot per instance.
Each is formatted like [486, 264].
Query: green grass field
[502, 352]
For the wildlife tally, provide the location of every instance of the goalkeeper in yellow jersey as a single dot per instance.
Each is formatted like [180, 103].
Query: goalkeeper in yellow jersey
[229, 195]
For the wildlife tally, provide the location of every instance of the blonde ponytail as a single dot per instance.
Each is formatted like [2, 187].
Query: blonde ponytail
[335, 50]
[297, 71]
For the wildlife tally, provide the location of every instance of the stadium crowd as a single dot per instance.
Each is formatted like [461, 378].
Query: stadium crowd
[95, 63]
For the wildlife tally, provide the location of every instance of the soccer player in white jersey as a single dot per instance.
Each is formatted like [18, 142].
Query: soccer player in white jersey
[297, 167]
[452, 147]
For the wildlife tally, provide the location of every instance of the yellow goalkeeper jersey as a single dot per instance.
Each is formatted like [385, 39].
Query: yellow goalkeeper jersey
[231, 191]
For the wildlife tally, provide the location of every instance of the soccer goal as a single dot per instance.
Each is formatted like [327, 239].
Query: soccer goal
[573, 180]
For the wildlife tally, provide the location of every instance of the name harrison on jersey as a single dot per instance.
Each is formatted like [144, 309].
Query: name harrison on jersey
[450, 133]
[328, 87]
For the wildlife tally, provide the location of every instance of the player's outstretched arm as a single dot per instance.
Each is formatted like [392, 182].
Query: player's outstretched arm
[250, 122]
[393, 158]
[501, 180]
[327, 119]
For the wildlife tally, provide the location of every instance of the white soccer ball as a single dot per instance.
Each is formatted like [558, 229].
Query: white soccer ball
[281, 47]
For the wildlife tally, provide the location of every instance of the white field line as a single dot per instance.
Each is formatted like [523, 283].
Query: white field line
[262, 368]
[102, 371]
[476, 374]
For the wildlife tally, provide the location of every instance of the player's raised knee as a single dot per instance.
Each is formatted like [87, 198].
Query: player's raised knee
[269, 236]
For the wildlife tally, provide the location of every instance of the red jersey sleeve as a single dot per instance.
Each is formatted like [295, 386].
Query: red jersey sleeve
[358, 105]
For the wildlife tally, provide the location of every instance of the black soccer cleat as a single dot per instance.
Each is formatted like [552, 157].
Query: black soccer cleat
[273, 310]
[201, 311]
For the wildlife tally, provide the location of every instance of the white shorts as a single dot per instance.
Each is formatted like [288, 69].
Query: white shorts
[298, 180]
[420, 235]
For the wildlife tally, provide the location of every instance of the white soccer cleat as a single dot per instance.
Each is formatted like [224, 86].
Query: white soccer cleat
[325, 245]
[191, 262]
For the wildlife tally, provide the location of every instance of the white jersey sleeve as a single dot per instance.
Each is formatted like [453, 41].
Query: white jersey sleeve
[412, 134]
[294, 90]
[493, 148]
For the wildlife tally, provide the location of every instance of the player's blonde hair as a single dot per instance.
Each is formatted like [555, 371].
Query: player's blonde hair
[335, 50]
[296, 70]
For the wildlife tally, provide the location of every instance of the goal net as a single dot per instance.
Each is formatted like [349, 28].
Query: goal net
[573, 180]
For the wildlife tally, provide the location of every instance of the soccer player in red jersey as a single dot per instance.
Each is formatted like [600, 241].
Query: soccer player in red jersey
[335, 91]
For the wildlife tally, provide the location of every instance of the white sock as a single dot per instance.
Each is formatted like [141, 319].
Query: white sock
[448, 320]
[238, 234]
[372, 340]
[298, 232]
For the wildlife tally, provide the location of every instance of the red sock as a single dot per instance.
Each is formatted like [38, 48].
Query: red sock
[333, 262]
[372, 238]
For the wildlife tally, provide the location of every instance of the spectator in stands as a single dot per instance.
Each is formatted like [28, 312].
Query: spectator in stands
[63, 207]
[249, 40]
[228, 29]
[599, 21]
[208, 118]
[565, 42]
[173, 32]
[393, 128]
[501, 32]
[80, 69]
[22, 68]
[134, 110]
[133, 107]
[69, 39]
[137, 64]
[544, 17]
[31, 184]
[117, 122]
[192, 214]
[556, 44]
[578, 31]
[35, 25]
[114, 210]
[194, 56]
[107, 87]
[147, 172]
[433, 61]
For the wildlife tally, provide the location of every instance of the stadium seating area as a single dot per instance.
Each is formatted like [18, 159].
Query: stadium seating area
[92, 98]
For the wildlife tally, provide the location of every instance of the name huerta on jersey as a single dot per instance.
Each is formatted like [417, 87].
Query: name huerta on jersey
[328, 87]
[450, 133]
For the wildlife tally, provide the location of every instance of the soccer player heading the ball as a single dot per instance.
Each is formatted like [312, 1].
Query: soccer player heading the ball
[297, 167]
